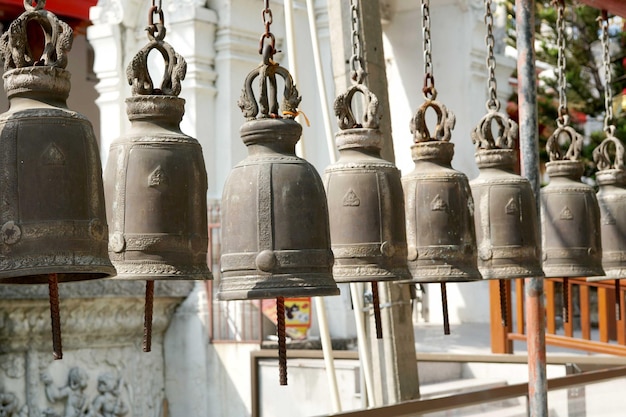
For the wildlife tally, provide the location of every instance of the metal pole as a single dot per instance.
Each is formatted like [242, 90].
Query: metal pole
[529, 151]
[291, 57]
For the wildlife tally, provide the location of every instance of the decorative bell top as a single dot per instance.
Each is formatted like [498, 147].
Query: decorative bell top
[149, 102]
[436, 147]
[45, 76]
[499, 151]
[365, 135]
[610, 171]
[568, 164]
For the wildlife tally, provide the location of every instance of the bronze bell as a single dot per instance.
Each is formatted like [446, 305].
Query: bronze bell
[570, 217]
[53, 222]
[611, 177]
[439, 207]
[507, 228]
[156, 181]
[365, 200]
[275, 233]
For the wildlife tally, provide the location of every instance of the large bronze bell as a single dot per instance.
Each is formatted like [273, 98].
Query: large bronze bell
[439, 206]
[52, 222]
[611, 177]
[365, 200]
[570, 217]
[275, 232]
[507, 228]
[156, 181]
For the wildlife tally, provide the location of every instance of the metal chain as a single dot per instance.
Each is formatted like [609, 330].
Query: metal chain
[156, 31]
[429, 91]
[563, 118]
[606, 60]
[493, 104]
[267, 18]
[357, 70]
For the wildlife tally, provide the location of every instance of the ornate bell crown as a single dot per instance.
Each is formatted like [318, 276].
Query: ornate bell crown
[19, 62]
[352, 134]
[610, 164]
[565, 164]
[499, 150]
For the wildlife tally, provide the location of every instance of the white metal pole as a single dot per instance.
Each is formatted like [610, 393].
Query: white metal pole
[321, 85]
[291, 59]
[356, 290]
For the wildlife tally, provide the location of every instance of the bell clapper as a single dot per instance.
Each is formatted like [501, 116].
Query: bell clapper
[147, 322]
[282, 346]
[565, 300]
[376, 302]
[618, 301]
[55, 316]
[444, 305]
[503, 306]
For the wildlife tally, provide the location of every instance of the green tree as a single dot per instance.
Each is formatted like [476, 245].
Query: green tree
[584, 68]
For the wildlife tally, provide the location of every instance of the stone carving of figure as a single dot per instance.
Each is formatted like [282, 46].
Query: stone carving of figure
[72, 393]
[9, 405]
[108, 402]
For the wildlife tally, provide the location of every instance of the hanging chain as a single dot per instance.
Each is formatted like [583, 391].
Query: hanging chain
[267, 18]
[156, 31]
[493, 104]
[606, 60]
[429, 91]
[563, 117]
[357, 70]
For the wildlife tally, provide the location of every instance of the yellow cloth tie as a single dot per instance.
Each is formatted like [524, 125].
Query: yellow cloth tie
[295, 114]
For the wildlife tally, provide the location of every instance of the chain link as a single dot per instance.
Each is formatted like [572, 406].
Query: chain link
[429, 91]
[608, 74]
[267, 18]
[357, 70]
[156, 31]
[493, 103]
[561, 63]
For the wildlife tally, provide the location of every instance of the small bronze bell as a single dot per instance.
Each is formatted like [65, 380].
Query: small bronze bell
[611, 177]
[156, 181]
[275, 232]
[53, 222]
[439, 208]
[507, 228]
[570, 217]
[366, 204]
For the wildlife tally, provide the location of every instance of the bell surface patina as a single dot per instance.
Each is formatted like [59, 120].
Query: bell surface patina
[507, 228]
[365, 199]
[156, 181]
[611, 178]
[439, 207]
[570, 216]
[275, 233]
[53, 216]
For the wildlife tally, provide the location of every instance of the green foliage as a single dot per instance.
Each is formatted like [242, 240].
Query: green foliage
[585, 89]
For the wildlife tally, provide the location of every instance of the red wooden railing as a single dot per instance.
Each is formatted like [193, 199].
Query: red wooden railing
[593, 324]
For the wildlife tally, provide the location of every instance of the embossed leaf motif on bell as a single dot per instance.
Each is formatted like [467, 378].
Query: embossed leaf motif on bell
[570, 217]
[611, 178]
[53, 218]
[439, 206]
[156, 181]
[275, 232]
[366, 204]
[507, 228]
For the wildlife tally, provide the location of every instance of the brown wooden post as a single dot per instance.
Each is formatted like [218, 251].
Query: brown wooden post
[606, 314]
[585, 312]
[500, 342]
[549, 288]
[519, 302]
[621, 324]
